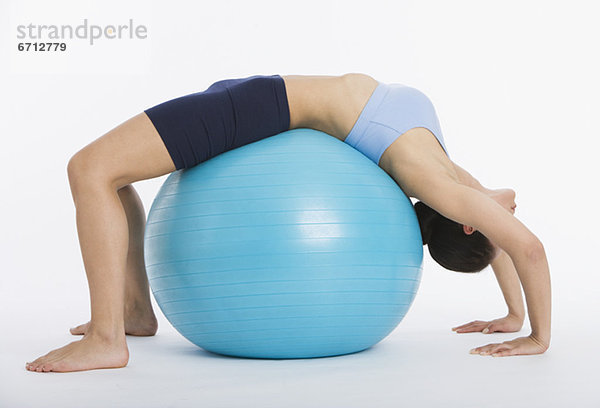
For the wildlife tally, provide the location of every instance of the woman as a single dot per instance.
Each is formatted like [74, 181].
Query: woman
[465, 225]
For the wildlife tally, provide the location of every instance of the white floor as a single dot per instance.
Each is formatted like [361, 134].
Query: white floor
[422, 364]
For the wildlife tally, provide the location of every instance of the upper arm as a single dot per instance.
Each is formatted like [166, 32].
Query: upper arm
[469, 206]
[434, 179]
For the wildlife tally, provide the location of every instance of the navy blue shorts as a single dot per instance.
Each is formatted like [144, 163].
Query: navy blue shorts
[228, 114]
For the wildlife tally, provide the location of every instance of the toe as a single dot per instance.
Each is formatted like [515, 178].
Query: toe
[35, 362]
[78, 329]
[36, 365]
[40, 361]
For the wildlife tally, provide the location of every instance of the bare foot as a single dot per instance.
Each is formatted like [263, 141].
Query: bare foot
[137, 323]
[91, 352]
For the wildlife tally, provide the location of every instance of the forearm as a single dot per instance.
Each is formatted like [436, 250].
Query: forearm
[509, 283]
[533, 271]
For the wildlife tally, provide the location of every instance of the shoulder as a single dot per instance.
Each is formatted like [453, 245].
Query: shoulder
[442, 189]
[414, 156]
[430, 176]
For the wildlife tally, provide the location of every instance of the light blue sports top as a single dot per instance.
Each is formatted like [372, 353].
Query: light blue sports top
[392, 110]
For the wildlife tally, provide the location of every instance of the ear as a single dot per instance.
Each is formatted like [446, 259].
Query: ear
[468, 230]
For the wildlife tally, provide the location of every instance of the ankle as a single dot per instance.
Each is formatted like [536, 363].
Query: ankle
[138, 308]
[106, 335]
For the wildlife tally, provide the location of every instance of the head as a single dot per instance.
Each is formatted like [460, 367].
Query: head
[455, 246]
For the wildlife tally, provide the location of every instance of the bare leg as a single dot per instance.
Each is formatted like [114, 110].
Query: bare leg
[133, 151]
[139, 316]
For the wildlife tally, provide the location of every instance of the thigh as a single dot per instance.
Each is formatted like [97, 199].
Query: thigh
[130, 152]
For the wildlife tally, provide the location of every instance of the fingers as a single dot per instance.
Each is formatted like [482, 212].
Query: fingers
[474, 326]
[504, 353]
[467, 324]
[494, 349]
[480, 326]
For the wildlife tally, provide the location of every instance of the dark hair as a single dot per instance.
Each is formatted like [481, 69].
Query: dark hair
[449, 245]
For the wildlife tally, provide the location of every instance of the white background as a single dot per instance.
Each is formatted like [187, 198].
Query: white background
[515, 85]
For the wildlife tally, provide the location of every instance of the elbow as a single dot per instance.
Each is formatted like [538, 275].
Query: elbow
[534, 250]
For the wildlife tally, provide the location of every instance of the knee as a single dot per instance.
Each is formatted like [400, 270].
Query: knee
[76, 168]
[83, 169]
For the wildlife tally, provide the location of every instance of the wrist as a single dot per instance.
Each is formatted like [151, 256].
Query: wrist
[520, 316]
[543, 341]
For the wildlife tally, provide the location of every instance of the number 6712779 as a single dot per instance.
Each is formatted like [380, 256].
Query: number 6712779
[42, 46]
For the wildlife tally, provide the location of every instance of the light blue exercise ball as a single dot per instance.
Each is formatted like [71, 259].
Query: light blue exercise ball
[294, 246]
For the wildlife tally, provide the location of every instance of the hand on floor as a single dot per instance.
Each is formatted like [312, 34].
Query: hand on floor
[507, 324]
[518, 346]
